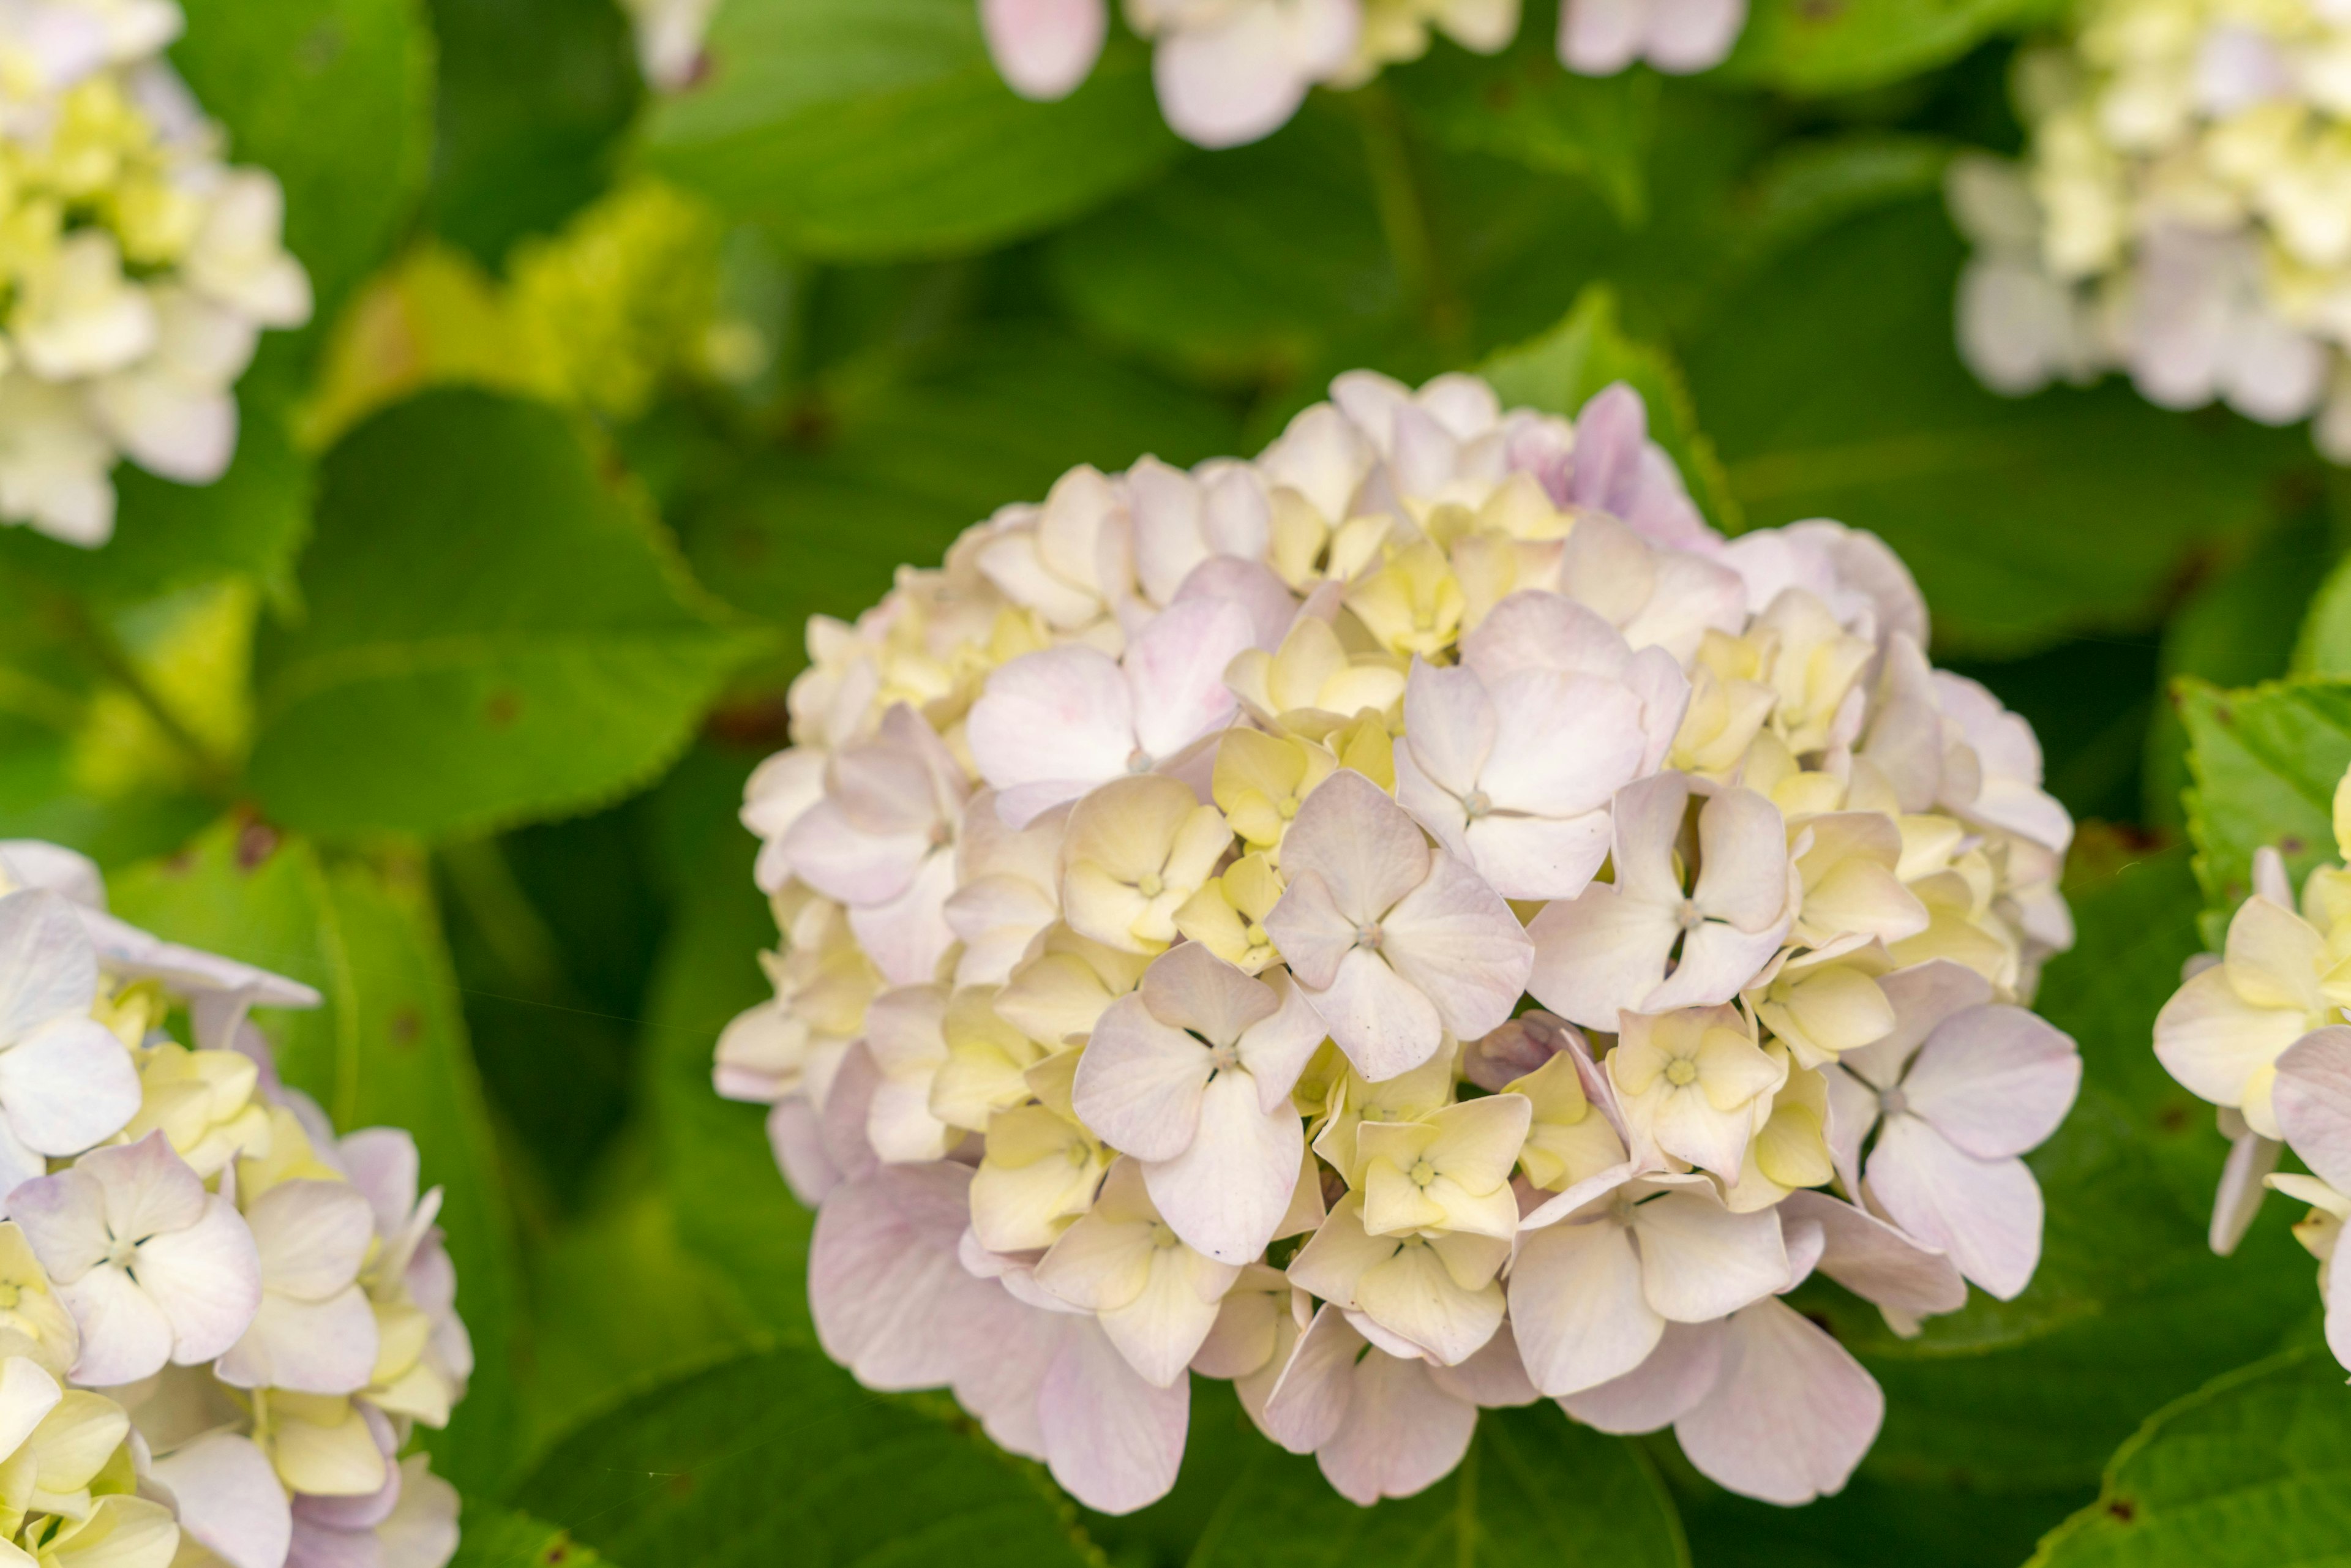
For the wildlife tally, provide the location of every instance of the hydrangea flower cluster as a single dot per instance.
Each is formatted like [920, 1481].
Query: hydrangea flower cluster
[2183, 214]
[2257, 1030]
[1230, 71]
[253, 1311]
[1165, 881]
[139, 272]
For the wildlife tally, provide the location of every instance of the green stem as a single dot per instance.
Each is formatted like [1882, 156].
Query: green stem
[1404, 216]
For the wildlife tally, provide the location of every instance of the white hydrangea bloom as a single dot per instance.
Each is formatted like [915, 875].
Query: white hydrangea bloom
[141, 269]
[2260, 1031]
[1160, 879]
[2183, 214]
[267, 1308]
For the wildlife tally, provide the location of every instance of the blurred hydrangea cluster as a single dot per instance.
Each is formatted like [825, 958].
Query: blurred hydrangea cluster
[139, 268]
[220, 1320]
[1165, 881]
[2257, 1030]
[2183, 213]
[1230, 71]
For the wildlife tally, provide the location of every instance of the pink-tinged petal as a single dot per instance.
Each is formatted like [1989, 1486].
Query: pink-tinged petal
[2313, 1103]
[1252, 585]
[1111, 1438]
[1996, 1080]
[1718, 962]
[63, 1217]
[1059, 714]
[312, 1235]
[1449, 726]
[1538, 857]
[1001, 1349]
[1611, 431]
[1600, 954]
[145, 1186]
[1277, 1050]
[2339, 1305]
[1310, 1398]
[882, 1262]
[1384, 1024]
[1493, 1379]
[1044, 49]
[1311, 932]
[124, 1334]
[1877, 1261]
[1648, 821]
[1231, 82]
[1985, 1213]
[1742, 875]
[2275, 957]
[1664, 692]
[1699, 1260]
[1922, 997]
[1572, 741]
[1192, 988]
[30, 863]
[1533, 629]
[1139, 1081]
[1791, 1414]
[1455, 940]
[1681, 1371]
[1362, 845]
[907, 936]
[1225, 1194]
[1687, 35]
[1176, 672]
[48, 966]
[133, 954]
[2244, 1178]
[1691, 596]
[848, 1112]
[843, 862]
[2208, 1039]
[1578, 1309]
[1431, 805]
[311, 1347]
[68, 1086]
[206, 1279]
[1403, 1433]
[229, 1498]
[797, 1140]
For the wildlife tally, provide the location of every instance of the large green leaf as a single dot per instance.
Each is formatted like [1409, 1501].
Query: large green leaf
[334, 96]
[500, 1538]
[2128, 1306]
[1829, 381]
[2253, 1471]
[533, 95]
[865, 129]
[1536, 1490]
[387, 1049]
[2265, 761]
[493, 630]
[782, 1458]
[1873, 1523]
[1805, 47]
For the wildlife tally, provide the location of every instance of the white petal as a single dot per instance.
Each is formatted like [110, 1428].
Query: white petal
[1995, 1080]
[229, 1498]
[1226, 1193]
[1403, 1433]
[1456, 941]
[1139, 1081]
[1111, 1438]
[1578, 1309]
[1063, 714]
[124, 1334]
[311, 1236]
[1681, 1371]
[882, 1262]
[1699, 1260]
[1362, 845]
[1985, 1213]
[1384, 1025]
[2312, 1102]
[1449, 726]
[47, 966]
[1230, 82]
[1175, 670]
[1572, 741]
[311, 1347]
[1792, 1415]
[206, 1279]
[68, 1086]
[1875, 1261]
[1600, 954]
[1044, 49]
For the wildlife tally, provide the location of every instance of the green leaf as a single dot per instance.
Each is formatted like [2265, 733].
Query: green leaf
[2128, 1306]
[1535, 1490]
[2252, 1470]
[1558, 372]
[869, 129]
[1829, 381]
[500, 1538]
[334, 96]
[2265, 761]
[1240, 264]
[1844, 45]
[387, 1049]
[532, 96]
[733, 1210]
[1872, 1524]
[782, 1457]
[1521, 106]
[920, 458]
[492, 632]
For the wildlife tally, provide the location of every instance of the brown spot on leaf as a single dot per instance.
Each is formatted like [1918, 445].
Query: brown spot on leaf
[680, 1485]
[2172, 1118]
[407, 1028]
[2291, 844]
[502, 709]
[256, 842]
[2122, 1507]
